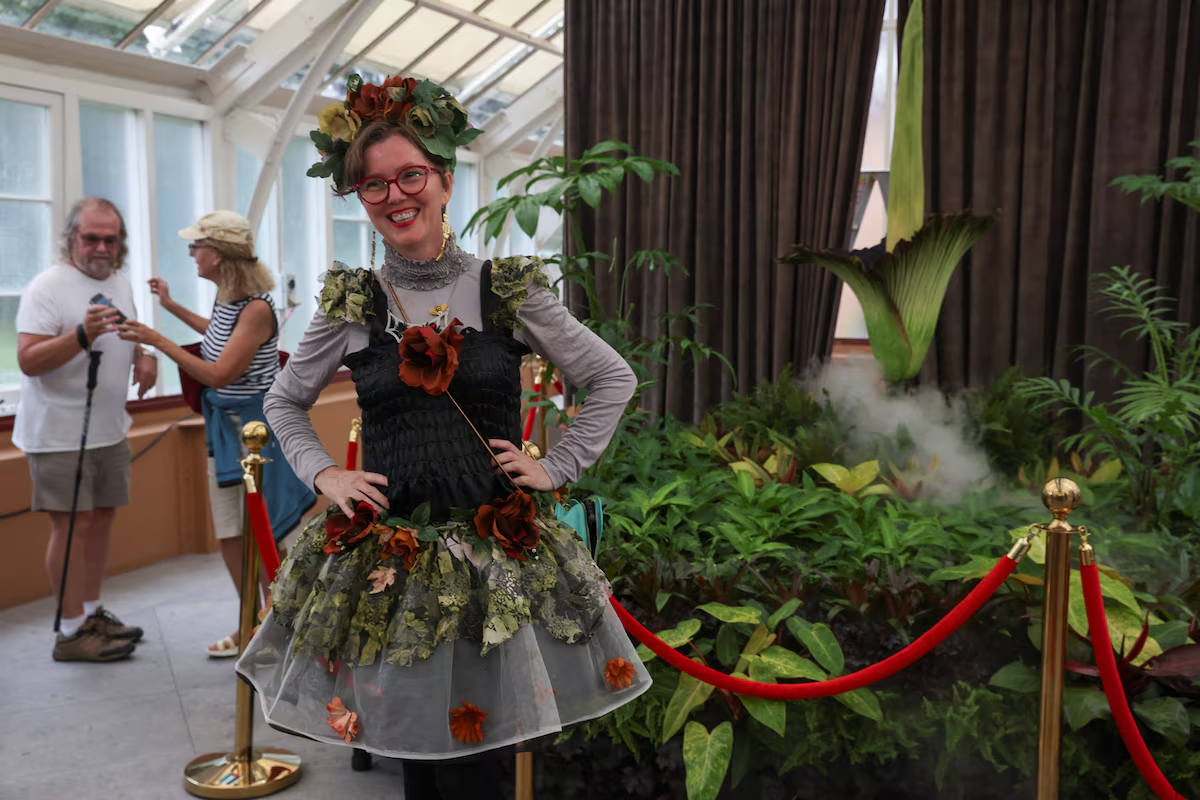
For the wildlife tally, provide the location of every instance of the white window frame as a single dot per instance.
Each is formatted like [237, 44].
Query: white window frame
[146, 100]
[53, 102]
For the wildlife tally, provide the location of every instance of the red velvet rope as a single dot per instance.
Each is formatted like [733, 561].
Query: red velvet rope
[352, 455]
[847, 683]
[1111, 679]
[530, 416]
[261, 525]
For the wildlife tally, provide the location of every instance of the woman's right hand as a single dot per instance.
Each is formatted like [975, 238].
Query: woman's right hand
[347, 487]
[160, 287]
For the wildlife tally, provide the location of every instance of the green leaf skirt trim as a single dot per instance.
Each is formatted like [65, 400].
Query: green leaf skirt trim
[460, 587]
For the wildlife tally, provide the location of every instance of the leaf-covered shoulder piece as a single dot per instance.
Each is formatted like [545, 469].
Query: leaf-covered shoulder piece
[346, 295]
[509, 278]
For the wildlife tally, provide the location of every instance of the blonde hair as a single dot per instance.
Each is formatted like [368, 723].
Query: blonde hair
[242, 274]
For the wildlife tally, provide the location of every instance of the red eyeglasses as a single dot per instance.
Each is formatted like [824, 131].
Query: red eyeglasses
[410, 180]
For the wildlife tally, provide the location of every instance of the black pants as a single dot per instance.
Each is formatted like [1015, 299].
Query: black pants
[476, 778]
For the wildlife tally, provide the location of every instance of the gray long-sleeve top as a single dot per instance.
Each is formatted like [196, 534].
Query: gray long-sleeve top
[550, 330]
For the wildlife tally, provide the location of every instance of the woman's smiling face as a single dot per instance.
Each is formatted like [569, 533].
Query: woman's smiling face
[411, 224]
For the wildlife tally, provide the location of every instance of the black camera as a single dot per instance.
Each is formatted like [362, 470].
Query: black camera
[101, 300]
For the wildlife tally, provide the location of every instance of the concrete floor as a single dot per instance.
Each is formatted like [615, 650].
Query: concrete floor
[125, 730]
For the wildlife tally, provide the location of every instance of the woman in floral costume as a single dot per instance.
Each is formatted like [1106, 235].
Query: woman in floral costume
[436, 610]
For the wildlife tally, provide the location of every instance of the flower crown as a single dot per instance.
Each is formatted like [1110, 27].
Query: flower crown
[429, 110]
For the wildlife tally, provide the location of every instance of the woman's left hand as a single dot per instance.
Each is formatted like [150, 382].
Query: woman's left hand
[134, 331]
[526, 472]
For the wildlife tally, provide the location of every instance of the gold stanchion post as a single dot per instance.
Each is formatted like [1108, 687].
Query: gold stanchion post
[245, 772]
[540, 436]
[524, 775]
[1061, 496]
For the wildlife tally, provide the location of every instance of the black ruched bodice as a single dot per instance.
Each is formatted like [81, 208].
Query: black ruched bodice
[422, 443]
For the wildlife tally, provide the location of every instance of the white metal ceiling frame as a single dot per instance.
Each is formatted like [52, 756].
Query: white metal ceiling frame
[145, 22]
[332, 45]
[483, 51]
[245, 76]
[234, 30]
[510, 64]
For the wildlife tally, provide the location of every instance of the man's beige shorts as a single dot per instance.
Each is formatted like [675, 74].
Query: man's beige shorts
[105, 481]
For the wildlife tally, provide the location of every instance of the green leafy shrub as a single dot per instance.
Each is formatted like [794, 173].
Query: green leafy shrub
[1152, 425]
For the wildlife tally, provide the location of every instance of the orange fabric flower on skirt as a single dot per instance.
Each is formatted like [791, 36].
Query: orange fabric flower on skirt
[510, 521]
[619, 674]
[466, 723]
[342, 720]
[401, 543]
[430, 359]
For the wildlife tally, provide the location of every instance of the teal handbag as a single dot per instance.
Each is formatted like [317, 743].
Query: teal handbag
[587, 518]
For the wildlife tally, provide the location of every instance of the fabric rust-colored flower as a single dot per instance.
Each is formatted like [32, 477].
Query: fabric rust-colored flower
[343, 721]
[511, 521]
[400, 543]
[341, 531]
[466, 723]
[373, 100]
[429, 359]
[619, 674]
[400, 97]
[381, 578]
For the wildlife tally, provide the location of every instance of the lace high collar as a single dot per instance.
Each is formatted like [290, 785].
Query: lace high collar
[424, 276]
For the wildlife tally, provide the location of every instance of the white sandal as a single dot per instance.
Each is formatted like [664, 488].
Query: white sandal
[226, 647]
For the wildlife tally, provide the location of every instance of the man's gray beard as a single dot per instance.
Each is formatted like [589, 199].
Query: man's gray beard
[99, 271]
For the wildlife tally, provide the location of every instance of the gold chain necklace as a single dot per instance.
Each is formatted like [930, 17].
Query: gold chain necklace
[443, 307]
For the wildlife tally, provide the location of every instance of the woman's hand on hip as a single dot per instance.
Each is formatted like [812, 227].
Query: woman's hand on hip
[525, 472]
[348, 487]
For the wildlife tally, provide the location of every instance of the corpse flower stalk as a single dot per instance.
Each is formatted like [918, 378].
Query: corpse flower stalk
[901, 282]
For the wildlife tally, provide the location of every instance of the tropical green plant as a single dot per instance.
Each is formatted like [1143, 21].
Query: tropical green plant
[1001, 419]
[859, 481]
[901, 282]
[1186, 190]
[1152, 424]
[565, 186]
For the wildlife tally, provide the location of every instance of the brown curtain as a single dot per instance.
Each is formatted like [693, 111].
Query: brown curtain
[762, 104]
[1032, 108]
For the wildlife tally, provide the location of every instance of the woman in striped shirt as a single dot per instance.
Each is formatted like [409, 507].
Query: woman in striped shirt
[238, 362]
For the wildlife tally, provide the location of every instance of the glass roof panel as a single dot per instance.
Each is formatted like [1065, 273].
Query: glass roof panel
[509, 12]
[406, 42]
[15, 12]
[93, 21]
[273, 14]
[486, 70]
[469, 50]
[536, 66]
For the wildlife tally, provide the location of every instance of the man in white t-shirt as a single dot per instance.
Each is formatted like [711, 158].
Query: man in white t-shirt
[58, 325]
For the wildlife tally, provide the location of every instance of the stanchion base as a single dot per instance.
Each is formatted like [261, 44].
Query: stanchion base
[223, 775]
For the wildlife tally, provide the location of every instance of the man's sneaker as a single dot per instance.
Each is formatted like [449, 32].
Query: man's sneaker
[106, 624]
[88, 644]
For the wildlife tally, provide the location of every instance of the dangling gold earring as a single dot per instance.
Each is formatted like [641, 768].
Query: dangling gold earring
[447, 232]
[372, 249]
